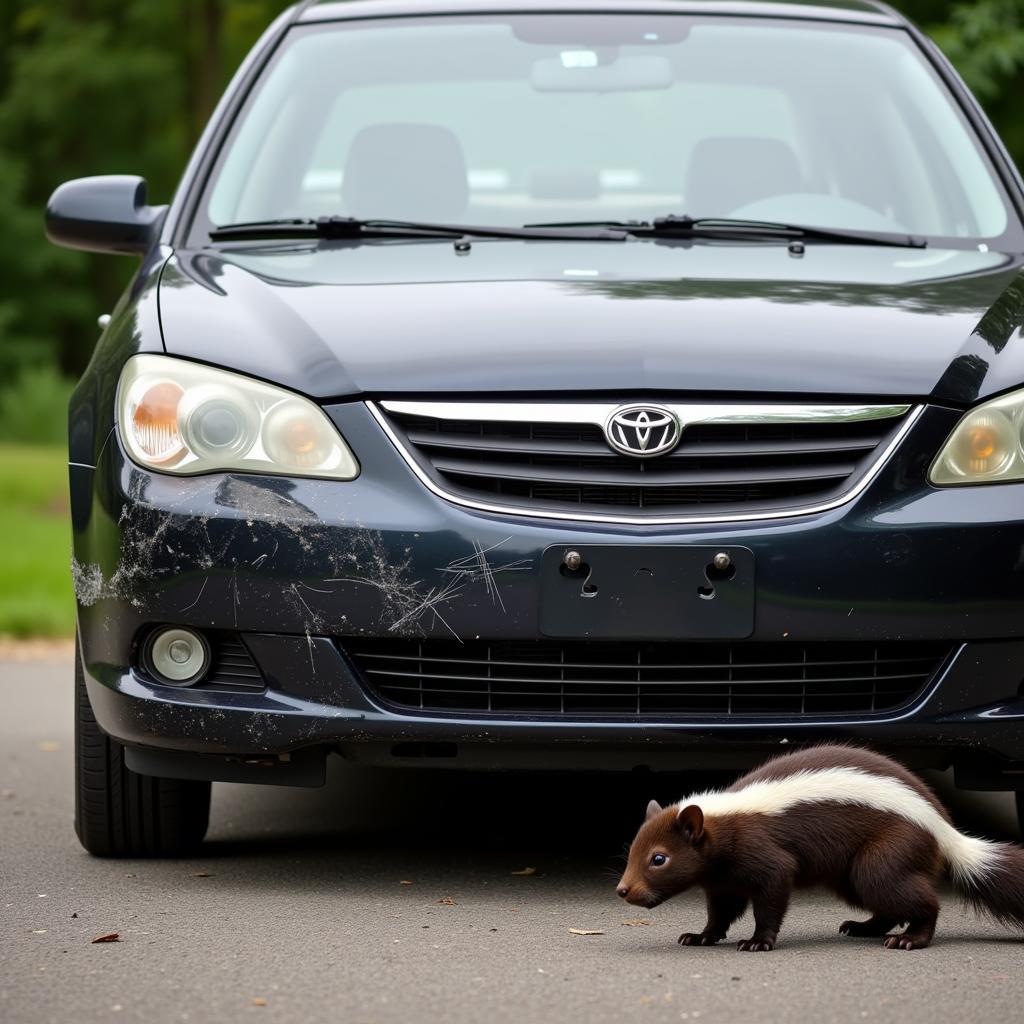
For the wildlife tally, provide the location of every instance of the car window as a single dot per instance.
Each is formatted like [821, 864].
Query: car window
[510, 120]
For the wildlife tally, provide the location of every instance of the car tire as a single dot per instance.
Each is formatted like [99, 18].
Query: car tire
[119, 813]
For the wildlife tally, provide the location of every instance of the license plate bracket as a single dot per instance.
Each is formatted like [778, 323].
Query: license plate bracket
[647, 592]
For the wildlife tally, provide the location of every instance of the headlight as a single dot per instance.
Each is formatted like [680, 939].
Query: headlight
[181, 417]
[985, 447]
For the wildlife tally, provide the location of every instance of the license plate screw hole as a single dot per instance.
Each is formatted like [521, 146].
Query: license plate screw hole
[720, 568]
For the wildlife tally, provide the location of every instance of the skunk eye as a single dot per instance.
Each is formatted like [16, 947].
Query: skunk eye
[658, 860]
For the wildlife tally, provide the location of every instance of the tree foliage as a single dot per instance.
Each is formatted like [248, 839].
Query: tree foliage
[109, 86]
[96, 87]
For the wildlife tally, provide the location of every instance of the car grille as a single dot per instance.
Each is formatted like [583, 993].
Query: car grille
[646, 679]
[719, 468]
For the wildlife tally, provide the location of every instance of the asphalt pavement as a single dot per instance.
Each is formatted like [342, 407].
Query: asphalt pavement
[406, 897]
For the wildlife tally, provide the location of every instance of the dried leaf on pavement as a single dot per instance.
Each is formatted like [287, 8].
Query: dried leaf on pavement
[637, 922]
[111, 937]
[447, 901]
[525, 871]
[585, 931]
[405, 881]
[258, 1001]
[48, 746]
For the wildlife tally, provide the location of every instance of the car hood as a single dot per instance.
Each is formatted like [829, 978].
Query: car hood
[389, 318]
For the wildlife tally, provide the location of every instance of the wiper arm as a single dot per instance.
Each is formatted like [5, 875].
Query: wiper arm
[351, 227]
[730, 227]
[674, 226]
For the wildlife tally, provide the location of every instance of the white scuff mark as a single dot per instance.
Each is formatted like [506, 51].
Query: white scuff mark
[87, 581]
[409, 601]
[477, 567]
[434, 597]
[306, 586]
[312, 660]
[260, 559]
[295, 590]
[202, 589]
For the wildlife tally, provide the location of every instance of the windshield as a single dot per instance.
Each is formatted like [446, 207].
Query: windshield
[519, 119]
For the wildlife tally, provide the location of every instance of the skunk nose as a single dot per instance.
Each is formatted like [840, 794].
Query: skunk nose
[623, 891]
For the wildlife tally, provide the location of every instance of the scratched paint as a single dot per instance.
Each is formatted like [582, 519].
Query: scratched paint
[165, 543]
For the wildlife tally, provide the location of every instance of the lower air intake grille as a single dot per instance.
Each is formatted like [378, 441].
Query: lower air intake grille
[647, 679]
[232, 668]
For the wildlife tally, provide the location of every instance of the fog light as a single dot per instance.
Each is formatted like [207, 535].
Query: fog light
[178, 657]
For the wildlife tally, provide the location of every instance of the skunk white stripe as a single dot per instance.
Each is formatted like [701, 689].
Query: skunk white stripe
[969, 859]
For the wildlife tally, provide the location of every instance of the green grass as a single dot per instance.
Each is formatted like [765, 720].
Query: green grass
[35, 542]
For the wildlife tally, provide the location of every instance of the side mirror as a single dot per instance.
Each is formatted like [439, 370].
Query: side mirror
[104, 214]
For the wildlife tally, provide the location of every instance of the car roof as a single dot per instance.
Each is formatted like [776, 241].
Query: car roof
[868, 12]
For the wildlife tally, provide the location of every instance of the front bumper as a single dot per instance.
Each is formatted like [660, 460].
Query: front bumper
[296, 566]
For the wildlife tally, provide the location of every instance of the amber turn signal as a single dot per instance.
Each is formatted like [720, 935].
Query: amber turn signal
[154, 421]
[985, 445]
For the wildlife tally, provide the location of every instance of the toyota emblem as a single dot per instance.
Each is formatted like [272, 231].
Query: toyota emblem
[642, 430]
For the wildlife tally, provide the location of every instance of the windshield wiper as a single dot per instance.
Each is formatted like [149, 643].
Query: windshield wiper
[674, 226]
[351, 227]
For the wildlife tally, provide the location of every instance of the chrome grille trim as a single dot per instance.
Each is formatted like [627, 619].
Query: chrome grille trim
[689, 413]
[595, 414]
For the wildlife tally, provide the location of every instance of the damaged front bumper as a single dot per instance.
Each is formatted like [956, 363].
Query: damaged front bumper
[298, 570]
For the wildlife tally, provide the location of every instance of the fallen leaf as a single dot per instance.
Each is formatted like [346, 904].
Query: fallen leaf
[525, 871]
[48, 746]
[258, 1001]
[112, 937]
[585, 931]
[405, 881]
[637, 922]
[447, 901]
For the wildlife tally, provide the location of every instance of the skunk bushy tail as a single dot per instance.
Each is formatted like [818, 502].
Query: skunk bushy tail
[993, 884]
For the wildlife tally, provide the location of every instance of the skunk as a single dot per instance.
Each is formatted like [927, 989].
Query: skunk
[837, 816]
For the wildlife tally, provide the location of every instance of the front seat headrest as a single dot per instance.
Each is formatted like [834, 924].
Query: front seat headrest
[727, 173]
[407, 172]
